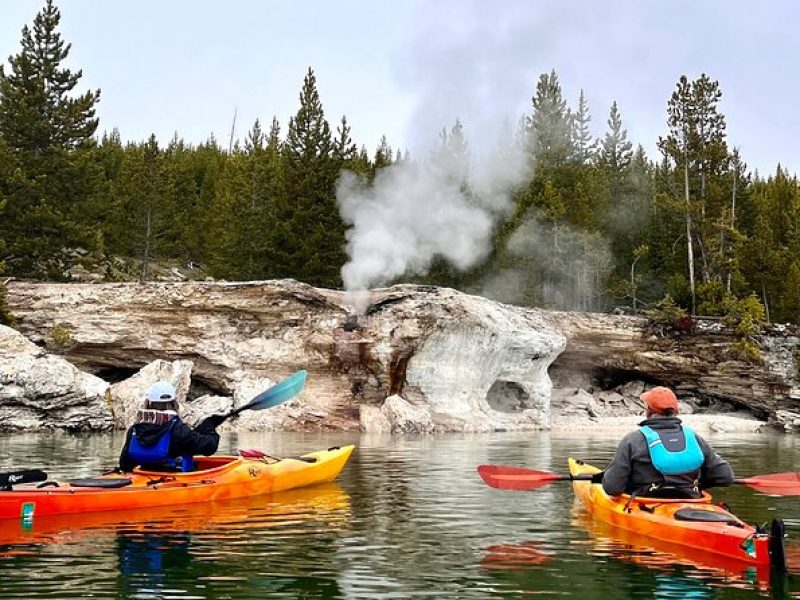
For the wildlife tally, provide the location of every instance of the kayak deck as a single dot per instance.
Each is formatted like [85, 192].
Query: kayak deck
[692, 523]
[216, 478]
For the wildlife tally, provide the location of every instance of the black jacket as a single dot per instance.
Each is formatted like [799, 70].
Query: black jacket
[185, 440]
[631, 467]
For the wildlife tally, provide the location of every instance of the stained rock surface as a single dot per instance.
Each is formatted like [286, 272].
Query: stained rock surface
[417, 359]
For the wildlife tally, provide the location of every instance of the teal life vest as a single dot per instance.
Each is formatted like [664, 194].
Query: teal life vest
[158, 453]
[673, 453]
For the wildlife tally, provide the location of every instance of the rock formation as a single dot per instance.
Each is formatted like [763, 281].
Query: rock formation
[468, 363]
[419, 359]
[604, 351]
[39, 390]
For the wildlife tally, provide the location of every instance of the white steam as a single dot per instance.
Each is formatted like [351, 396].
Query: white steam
[414, 212]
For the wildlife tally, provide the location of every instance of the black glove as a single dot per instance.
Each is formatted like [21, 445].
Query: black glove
[597, 477]
[210, 423]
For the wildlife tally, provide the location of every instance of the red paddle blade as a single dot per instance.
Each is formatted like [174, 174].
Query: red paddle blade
[515, 478]
[774, 484]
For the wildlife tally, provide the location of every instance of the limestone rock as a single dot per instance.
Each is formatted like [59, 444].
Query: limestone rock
[404, 417]
[204, 406]
[270, 419]
[699, 363]
[372, 420]
[475, 364]
[128, 396]
[39, 390]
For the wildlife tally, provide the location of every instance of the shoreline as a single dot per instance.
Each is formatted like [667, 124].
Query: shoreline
[704, 424]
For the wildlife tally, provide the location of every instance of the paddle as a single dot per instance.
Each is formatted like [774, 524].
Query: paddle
[519, 478]
[277, 394]
[22, 476]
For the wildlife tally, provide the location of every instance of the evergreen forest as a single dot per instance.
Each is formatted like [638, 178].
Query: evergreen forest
[692, 230]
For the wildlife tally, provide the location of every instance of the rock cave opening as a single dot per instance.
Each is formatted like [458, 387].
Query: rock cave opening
[594, 378]
[115, 374]
[200, 387]
[610, 378]
[508, 397]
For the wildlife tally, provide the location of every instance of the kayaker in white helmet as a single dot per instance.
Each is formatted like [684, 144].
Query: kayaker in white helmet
[664, 458]
[159, 439]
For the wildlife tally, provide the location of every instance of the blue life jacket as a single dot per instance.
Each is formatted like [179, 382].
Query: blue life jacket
[158, 453]
[673, 453]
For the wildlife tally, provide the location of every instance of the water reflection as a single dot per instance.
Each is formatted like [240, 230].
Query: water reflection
[515, 556]
[606, 541]
[408, 518]
[181, 551]
[146, 558]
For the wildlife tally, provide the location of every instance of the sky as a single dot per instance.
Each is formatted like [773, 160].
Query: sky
[406, 69]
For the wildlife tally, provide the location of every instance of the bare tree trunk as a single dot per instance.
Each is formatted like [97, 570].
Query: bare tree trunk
[766, 304]
[704, 259]
[689, 250]
[702, 190]
[233, 130]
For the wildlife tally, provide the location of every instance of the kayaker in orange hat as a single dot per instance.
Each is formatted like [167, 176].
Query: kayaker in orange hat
[664, 458]
[160, 439]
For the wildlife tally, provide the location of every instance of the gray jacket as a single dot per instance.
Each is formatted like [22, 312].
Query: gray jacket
[632, 468]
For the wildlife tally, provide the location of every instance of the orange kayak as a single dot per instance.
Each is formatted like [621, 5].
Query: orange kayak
[698, 525]
[215, 478]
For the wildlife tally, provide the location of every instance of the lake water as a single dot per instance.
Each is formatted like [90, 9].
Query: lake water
[407, 518]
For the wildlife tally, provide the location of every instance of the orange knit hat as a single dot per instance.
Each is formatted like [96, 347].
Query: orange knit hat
[660, 399]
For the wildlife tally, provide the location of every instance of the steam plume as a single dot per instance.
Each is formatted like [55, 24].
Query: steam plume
[415, 211]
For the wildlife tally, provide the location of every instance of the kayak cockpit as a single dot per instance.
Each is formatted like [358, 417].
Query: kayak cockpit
[202, 464]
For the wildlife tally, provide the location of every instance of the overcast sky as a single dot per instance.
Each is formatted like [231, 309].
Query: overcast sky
[409, 67]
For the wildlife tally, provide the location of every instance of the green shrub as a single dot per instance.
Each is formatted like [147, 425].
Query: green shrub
[711, 298]
[666, 317]
[747, 317]
[748, 351]
[60, 336]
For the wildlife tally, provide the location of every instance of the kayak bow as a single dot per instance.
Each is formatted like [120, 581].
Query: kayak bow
[215, 478]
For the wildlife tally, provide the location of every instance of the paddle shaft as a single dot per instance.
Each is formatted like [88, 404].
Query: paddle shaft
[748, 481]
[236, 411]
[521, 478]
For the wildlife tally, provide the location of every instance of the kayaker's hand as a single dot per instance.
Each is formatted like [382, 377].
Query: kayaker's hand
[210, 423]
[598, 477]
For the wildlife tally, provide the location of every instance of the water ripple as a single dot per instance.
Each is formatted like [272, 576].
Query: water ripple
[408, 518]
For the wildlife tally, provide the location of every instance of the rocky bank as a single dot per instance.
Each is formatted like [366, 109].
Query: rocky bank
[419, 359]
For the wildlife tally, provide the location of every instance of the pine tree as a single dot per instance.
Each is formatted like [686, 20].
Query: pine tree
[344, 148]
[310, 232]
[788, 309]
[696, 146]
[616, 151]
[144, 212]
[582, 140]
[550, 128]
[180, 196]
[383, 154]
[452, 156]
[48, 131]
[208, 163]
[6, 168]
